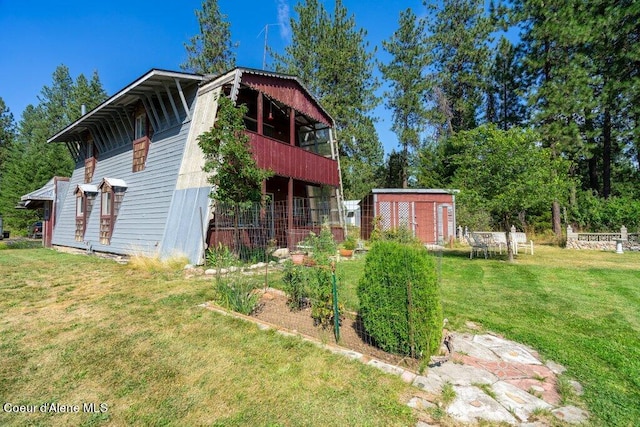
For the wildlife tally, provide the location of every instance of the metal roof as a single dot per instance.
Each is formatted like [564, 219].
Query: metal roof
[414, 191]
[43, 193]
[237, 73]
[152, 81]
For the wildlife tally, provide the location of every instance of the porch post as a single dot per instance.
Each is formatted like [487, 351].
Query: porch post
[290, 241]
[292, 126]
[259, 118]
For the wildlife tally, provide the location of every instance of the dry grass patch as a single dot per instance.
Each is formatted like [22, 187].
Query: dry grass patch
[77, 329]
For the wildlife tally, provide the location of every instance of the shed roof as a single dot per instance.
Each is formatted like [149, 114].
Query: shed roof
[36, 198]
[414, 191]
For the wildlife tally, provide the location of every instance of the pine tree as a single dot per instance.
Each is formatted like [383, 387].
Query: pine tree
[506, 87]
[331, 57]
[210, 51]
[7, 133]
[459, 32]
[31, 161]
[407, 95]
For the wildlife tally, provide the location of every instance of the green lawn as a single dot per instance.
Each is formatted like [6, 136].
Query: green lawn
[77, 329]
[578, 308]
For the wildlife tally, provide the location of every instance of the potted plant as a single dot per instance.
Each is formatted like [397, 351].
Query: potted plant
[297, 257]
[348, 247]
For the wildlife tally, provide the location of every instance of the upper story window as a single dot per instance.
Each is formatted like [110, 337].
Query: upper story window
[140, 126]
[89, 162]
[141, 142]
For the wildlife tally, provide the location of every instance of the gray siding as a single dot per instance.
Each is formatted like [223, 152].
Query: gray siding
[141, 221]
[186, 230]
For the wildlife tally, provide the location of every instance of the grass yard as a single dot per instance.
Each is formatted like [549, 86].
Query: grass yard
[78, 330]
[578, 308]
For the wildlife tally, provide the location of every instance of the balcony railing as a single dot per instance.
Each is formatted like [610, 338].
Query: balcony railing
[291, 161]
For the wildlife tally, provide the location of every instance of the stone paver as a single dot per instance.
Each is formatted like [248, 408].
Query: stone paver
[519, 383]
[571, 414]
[546, 389]
[518, 400]
[463, 374]
[472, 404]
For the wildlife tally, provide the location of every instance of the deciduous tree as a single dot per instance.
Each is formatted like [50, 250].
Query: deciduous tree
[508, 171]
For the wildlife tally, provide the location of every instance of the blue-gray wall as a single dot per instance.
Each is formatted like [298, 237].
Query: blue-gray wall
[141, 221]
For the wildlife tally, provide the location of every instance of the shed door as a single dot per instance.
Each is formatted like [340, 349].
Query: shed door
[445, 223]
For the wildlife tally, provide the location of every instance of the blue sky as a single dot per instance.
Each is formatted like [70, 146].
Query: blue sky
[124, 39]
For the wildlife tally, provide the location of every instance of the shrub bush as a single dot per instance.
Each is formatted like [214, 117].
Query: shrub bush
[296, 286]
[400, 299]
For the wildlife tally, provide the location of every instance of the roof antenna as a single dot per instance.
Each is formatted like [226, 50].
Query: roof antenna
[266, 36]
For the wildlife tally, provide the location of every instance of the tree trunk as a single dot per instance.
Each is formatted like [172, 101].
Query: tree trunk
[557, 221]
[507, 229]
[606, 154]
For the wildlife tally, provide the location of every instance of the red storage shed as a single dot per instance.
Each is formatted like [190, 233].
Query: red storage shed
[429, 213]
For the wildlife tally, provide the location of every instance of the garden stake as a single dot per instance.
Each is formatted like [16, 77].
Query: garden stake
[336, 313]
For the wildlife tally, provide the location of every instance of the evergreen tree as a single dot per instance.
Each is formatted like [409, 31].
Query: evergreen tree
[210, 51]
[330, 55]
[7, 133]
[407, 95]
[505, 102]
[89, 93]
[392, 172]
[31, 161]
[459, 32]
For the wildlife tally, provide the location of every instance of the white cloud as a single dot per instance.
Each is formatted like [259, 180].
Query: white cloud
[283, 18]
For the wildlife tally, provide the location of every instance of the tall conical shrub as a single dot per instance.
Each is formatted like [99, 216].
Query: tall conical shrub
[399, 298]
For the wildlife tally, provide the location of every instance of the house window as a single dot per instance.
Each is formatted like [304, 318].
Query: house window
[141, 126]
[85, 195]
[112, 193]
[141, 142]
[89, 162]
[81, 220]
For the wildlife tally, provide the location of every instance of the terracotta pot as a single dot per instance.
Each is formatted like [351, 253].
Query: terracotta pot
[297, 259]
[346, 252]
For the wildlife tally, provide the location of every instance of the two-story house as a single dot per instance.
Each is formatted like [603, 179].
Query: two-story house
[138, 186]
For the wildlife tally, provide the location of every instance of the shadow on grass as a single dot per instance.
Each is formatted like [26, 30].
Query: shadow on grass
[20, 243]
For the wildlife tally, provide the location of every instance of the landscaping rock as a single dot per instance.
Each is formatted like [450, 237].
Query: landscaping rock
[281, 253]
[420, 403]
[556, 368]
[210, 272]
[189, 267]
[577, 387]
[463, 375]
[472, 404]
[431, 383]
[571, 414]
[521, 402]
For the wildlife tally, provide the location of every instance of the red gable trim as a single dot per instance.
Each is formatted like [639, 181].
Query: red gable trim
[289, 92]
